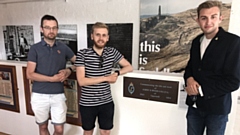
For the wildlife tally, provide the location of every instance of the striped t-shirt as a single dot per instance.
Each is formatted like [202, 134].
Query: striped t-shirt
[96, 66]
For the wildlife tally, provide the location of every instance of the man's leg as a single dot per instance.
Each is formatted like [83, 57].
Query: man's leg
[195, 122]
[58, 129]
[105, 118]
[43, 129]
[58, 112]
[105, 132]
[40, 107]
[88, 115]
[216, 124]
[88, 132]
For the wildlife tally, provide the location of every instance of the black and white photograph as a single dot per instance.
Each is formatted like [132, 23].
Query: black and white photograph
[120, 37]
[67, 33]
[18, 40]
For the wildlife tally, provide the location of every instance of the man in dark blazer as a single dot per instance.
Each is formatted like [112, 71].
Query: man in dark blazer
[212, 73]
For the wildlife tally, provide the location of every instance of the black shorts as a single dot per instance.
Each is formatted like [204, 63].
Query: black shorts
[103, 112]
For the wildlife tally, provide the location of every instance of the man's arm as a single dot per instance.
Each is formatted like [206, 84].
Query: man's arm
[192, 86]
[32, 75]
[127, 67]
[67, 72]
[73, 59]
[84, 81]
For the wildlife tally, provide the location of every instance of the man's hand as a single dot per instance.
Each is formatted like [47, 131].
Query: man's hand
[192, 86]
[61, 76]
[112, 78]
[56, 78]
[64, 74]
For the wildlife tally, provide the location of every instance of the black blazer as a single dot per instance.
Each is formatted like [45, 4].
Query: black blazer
[218, 72]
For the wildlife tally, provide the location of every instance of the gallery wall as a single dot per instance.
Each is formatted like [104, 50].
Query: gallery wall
[79, 12]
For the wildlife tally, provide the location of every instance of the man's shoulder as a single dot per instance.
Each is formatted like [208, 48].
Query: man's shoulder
[232, 36]
[86, 51]
[198, 37]
[38, 44]
[60, 44]
[110, 49]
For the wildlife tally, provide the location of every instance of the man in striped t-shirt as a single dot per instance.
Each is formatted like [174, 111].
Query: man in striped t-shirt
[94, 75]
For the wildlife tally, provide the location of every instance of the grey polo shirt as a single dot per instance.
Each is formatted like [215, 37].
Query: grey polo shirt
[49, 60]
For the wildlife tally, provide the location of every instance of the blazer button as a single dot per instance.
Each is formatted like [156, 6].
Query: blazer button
[199, 69]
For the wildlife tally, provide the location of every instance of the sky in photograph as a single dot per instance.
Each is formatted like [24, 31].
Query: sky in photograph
[150, 7]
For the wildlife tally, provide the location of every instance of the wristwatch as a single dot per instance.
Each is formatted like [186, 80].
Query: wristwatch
[70, 69]
[117, 71]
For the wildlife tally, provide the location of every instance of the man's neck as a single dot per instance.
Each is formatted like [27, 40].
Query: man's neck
[49, 42]
[98, 50]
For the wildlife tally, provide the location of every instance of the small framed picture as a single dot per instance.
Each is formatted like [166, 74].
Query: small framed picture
[8, 88]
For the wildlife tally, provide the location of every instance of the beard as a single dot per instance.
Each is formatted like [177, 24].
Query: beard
[99, 46]
[50, 36]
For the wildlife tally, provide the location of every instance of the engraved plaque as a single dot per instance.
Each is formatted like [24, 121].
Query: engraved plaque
[150, 89]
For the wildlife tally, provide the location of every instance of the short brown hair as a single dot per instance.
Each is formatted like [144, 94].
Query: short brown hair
[209, 4]
[49, 18]
[99, 25]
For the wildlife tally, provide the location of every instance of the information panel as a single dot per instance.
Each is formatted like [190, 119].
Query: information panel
[150, 89]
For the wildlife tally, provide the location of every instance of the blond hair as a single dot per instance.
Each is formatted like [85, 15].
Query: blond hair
[99, 25]
[209, 4]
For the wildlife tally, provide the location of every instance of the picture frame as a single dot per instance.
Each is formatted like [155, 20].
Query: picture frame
[72, 93]
[9, 99]
[27, 91]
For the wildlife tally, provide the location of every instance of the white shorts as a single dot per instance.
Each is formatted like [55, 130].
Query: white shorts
[42, 104]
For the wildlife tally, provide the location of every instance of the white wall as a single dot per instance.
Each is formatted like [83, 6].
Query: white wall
[234, 26]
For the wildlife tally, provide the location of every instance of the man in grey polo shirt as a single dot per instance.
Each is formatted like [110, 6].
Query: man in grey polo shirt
[47, 68]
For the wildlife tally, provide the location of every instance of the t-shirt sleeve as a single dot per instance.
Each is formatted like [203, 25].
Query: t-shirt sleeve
[69, 53]
[117, 55]
[32, 54]
[80, 58]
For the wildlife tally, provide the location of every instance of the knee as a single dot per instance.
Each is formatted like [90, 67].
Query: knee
[88, 132]
[105, 132]
[58, 130]
[43, 126]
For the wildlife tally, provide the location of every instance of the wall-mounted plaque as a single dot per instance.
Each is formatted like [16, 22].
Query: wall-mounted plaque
[150, 89]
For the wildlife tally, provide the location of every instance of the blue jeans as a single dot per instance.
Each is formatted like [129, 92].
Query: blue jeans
[198, 120]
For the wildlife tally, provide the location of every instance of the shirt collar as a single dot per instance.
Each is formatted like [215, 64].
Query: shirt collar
[44, 43]
[103, 53]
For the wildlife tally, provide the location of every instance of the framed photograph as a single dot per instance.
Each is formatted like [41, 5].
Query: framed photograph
[27, 91]
[8, 88]
[72, 92]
